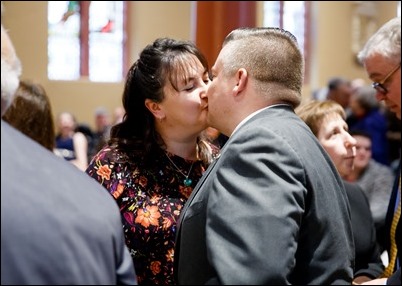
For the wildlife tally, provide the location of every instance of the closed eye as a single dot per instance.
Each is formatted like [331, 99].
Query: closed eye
[189, 88]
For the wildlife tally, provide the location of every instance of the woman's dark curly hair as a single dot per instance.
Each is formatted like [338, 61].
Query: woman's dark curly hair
[165, 59]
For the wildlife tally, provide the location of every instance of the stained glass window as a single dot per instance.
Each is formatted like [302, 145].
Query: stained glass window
[86, 40]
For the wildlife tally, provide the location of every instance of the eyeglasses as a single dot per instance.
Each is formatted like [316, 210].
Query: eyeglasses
[379, 86]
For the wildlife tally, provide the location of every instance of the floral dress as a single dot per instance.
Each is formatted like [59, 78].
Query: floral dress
[150, 200]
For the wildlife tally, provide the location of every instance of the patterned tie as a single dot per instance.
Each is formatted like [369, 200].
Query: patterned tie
[394, 250]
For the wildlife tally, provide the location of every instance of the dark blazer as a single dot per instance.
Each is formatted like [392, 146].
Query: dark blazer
[58, 226]
[271, 210]
[395, 279]
[367, 251]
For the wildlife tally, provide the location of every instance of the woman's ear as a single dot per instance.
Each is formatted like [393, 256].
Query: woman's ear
[155, 109]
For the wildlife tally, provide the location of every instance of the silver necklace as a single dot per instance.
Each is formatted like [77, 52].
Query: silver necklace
[187, 182]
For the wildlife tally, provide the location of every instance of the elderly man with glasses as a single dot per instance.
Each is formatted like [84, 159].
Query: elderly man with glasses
[381, 58]
[379, 86]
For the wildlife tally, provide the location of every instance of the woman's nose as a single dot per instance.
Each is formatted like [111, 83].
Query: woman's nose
[350, 141]
[204, 89]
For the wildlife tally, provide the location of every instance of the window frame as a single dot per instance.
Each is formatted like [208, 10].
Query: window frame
[307, 34]
[84, 39]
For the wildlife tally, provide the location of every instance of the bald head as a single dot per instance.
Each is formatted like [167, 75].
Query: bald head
[10, 71]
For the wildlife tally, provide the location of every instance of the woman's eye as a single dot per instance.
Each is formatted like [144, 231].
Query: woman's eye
[333, 133]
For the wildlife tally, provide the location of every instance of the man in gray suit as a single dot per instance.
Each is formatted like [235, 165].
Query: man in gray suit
[272, 209]
[58, 226]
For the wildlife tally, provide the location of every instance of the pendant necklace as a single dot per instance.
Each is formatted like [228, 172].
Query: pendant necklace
[187, 182]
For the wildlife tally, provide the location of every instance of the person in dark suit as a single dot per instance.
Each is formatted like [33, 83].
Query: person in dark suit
[272, 209]
[58, 226]
[327, 120]
[381, 58]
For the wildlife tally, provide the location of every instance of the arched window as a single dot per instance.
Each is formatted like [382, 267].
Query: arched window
[86, 40]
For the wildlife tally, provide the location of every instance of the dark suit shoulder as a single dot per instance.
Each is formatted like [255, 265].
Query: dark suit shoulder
[355, 193]
[27, 162]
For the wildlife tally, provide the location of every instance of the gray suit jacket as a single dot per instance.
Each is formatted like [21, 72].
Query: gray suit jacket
[271, 210]
[58, 226]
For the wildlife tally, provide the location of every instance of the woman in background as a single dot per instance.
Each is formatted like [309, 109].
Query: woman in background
[326, 120]
[71, 144]
[31, 113]
[375, 179]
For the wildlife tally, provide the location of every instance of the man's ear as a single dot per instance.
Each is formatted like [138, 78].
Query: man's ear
[155, 109]
[241, 79]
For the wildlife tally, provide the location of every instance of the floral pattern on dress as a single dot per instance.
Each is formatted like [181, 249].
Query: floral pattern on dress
[150, 201]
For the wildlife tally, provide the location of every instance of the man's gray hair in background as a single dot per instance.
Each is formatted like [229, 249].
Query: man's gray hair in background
[10, 69]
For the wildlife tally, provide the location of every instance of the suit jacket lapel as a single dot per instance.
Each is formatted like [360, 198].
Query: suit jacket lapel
[198, 186]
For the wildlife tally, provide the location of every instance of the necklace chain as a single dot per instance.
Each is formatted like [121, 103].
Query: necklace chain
[187, 182]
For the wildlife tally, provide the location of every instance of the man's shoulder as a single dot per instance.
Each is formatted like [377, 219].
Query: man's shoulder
[27, 162]
[16, 146]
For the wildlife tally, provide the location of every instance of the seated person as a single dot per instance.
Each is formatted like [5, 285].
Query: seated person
[326, 120]
[70, 144]
[374, 178]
